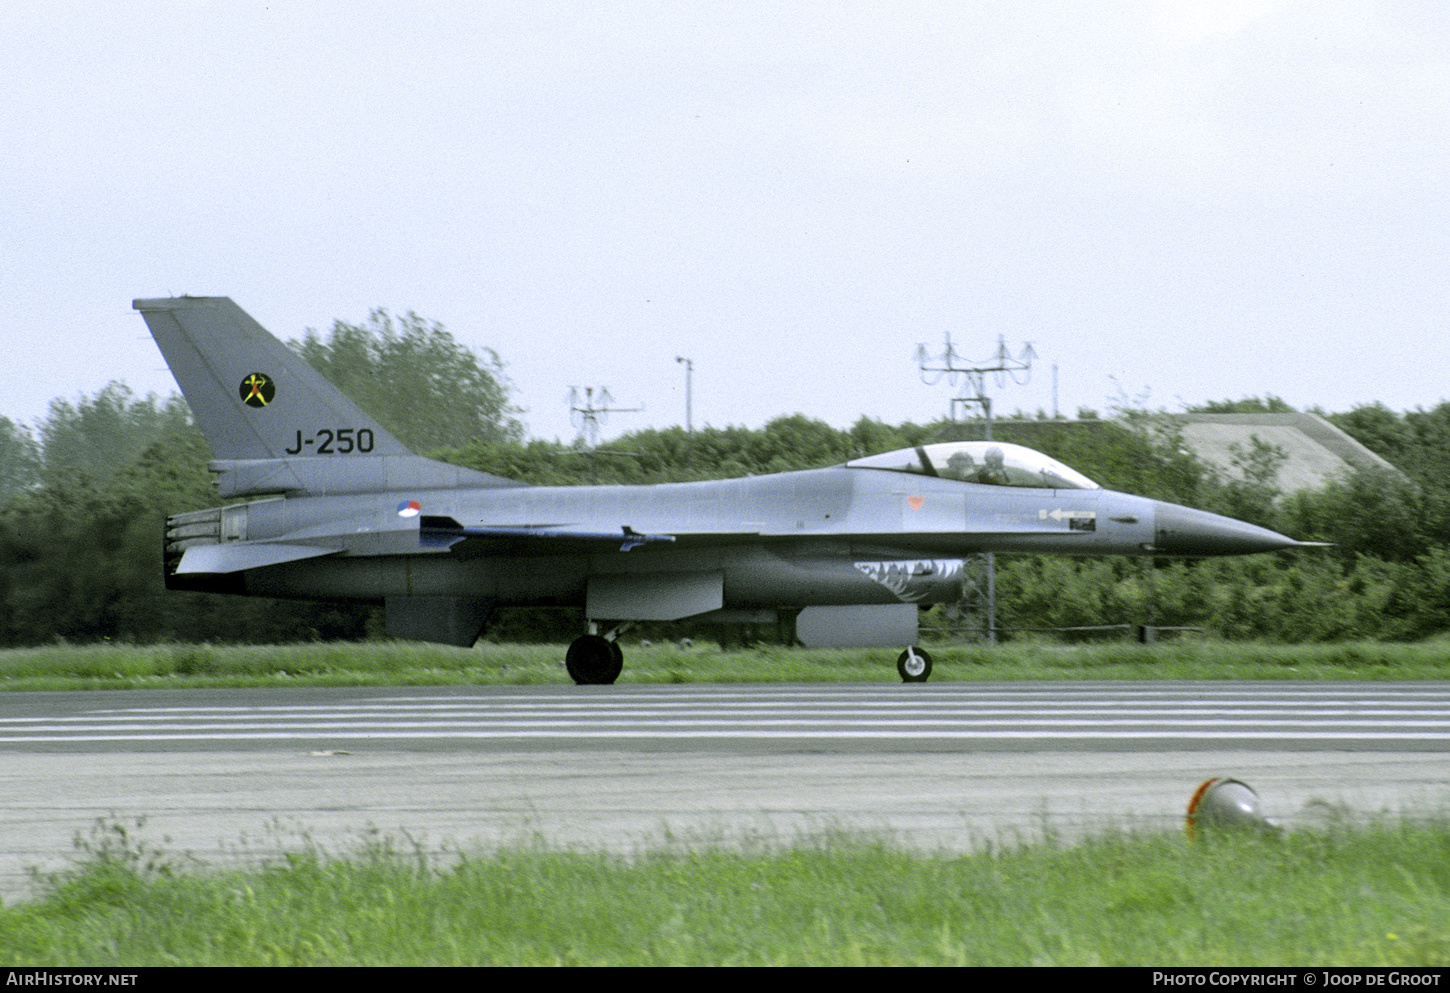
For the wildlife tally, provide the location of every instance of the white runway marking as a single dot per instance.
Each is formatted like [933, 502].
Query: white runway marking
[1377, 715]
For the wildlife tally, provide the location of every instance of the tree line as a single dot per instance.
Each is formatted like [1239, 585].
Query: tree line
[84, 498]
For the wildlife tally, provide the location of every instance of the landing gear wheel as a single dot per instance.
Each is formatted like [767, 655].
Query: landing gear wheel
[592, 659]
[914, 665]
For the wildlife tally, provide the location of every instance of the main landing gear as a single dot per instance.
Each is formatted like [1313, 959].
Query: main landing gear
[914, 664]
[594, 659]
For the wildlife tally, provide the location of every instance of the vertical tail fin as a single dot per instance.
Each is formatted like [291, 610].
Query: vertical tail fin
[275, 425]
[251, 395]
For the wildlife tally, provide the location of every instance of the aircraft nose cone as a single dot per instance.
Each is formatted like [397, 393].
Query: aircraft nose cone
[1185, 531]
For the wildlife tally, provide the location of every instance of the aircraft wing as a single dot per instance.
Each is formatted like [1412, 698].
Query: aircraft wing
[569, 539]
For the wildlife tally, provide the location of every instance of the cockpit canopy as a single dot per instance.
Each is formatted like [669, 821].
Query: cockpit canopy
[995, 463]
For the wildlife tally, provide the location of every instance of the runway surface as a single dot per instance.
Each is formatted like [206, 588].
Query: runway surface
[236, 774]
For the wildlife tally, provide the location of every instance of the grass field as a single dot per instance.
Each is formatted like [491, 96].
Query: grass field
[111, 666]
[1342, 896]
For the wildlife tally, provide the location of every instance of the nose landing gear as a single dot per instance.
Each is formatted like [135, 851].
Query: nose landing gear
[914, 664]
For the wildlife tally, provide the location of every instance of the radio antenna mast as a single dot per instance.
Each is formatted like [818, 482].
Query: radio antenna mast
[589, 408]
[973, 375]
[976, 610]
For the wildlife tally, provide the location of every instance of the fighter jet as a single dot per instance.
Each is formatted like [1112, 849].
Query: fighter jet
[327, 505]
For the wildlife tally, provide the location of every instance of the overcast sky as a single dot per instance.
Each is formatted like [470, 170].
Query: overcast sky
[1197, 200]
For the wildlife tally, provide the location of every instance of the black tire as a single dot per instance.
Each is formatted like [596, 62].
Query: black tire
[593, 660]
[914, 664]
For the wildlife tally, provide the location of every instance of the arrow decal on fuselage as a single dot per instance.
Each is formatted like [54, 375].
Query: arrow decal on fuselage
[1077, 520]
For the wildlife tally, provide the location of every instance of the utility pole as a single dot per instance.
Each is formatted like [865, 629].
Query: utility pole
[979, 586]
[689, 365]
[689, 375]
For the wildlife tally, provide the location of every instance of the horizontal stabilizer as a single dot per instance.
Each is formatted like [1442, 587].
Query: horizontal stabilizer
[238, 557]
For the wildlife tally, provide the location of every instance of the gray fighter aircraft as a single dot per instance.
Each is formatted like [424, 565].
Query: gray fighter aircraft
[330, 506]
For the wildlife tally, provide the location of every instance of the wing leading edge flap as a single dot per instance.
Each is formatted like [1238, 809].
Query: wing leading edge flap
[220, 559]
